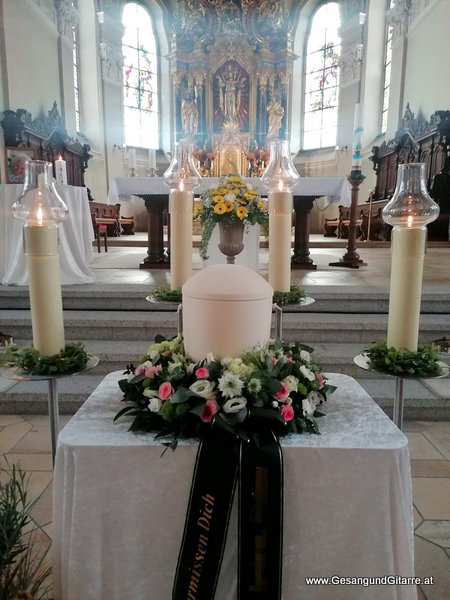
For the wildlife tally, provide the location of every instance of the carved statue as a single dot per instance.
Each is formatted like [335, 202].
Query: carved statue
[276, 113]
[189, 114]
[230, 85]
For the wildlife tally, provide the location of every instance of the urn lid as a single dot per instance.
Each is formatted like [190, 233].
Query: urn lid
[229, 283]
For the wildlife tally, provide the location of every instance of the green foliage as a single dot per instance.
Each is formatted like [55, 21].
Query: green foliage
[403, 362]
[295, 295]
[22, 569]
[73, 358]
[165, 294]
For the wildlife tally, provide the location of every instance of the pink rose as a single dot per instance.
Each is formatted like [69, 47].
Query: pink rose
[139, 370]
[274, 361]
[321, 379]
[287, 412]
[209, 410]
[202, 373]
[288, 359]
[165, 390]
[282, 394]
[151, 371]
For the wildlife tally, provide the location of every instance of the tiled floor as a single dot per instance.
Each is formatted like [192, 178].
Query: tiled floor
[26, 441]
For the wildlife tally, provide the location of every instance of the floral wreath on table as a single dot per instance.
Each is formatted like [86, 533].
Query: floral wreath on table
[231, 201]
[177, 397]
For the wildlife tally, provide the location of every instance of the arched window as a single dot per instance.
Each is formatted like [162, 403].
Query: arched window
[387, 73]
[322, 78]
[140, 78]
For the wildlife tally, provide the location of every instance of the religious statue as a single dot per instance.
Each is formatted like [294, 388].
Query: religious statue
[189, 114]
[230, 85]
[276, 113]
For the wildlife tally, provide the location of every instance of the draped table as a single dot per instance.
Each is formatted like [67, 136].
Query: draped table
[119, 506]
[76, 235]
[154, 192]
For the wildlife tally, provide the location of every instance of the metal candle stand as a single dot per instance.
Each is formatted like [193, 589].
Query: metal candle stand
[362, 361]
[52, 394]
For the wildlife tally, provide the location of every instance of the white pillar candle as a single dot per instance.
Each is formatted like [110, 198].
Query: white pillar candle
[61, 171]
[181, 214]
[41, 248]
[357, 136]
[152, 158]
[408, 251]
[280, 226]
[132, 158]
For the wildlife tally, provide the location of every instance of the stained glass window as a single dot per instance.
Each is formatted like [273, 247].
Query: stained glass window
[140, 78]
[387, 73]
[322, 78]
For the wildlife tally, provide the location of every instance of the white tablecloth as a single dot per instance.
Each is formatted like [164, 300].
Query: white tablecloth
[119, 506]
[76, 235]
[331, 189]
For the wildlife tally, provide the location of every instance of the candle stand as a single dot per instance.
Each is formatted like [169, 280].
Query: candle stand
[151, 172]
[132, 172]
[363, 362]
[53, 409]
[351, 258]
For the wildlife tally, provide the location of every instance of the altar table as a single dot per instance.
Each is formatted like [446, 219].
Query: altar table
[119, 506]
[76, 235]
[154, 191]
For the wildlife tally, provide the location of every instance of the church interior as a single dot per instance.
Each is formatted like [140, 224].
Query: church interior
[108, 87]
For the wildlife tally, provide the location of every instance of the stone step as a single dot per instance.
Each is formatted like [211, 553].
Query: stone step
[119, 326]
[116, 297]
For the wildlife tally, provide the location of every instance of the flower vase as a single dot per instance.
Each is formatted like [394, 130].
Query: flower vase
[231, 241]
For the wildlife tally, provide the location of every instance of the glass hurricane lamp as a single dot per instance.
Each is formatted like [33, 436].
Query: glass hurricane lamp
[182, 174]
[281, 174]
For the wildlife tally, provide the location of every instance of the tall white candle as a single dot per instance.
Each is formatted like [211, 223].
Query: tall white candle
[181, 214]
[357, 136]
[132, 158]
[41, 248]
[152, 158]
[280, 225]
[61, 171]
[408, 251]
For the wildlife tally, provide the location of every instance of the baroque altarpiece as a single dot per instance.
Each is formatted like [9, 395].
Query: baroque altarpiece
[231, 69]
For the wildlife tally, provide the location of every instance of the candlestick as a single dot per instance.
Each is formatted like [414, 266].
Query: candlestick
[41, 208]
[181, 177]
[357, 137]
[409, 211]
[132, 158]
[280, 177]
[152, 159]
[61, 171]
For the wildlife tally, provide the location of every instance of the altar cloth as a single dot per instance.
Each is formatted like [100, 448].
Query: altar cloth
[119, 506]
[76, 235]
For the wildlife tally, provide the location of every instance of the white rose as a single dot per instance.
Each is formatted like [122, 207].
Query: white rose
[306, 356]
[307, 373]
[307, 408]
[234, 405]
[314, 398]
[155, 404]
[291, 382]
[203, 388]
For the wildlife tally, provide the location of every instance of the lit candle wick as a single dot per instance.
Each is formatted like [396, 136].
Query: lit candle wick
[280, 186]
[181, 186]
[40, 215]
[410, 221]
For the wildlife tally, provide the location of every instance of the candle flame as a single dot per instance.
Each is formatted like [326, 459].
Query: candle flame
[280, 186]
[40, 215]
[181, 186]
[410, 221]
[60, 157]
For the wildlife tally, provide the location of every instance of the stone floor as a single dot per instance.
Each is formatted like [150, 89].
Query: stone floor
[25, 441]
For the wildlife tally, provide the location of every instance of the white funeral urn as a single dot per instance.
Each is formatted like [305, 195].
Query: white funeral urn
[227, 309]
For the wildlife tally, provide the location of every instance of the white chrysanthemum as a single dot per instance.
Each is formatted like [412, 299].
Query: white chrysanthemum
[230, 385]
[307, 373]
[254, 385]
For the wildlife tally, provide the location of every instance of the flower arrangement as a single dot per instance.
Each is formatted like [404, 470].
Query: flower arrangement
[280, 384]
[232, 200]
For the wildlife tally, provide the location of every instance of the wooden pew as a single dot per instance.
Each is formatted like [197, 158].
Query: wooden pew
[109, 215]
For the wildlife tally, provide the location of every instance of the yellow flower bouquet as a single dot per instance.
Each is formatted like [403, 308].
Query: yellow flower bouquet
[232, 200]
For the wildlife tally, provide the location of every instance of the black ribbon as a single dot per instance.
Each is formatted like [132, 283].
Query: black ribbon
[219, 459]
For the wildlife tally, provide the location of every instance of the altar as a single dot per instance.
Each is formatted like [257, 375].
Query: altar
[155, 193]
[75, 236]
[119, 505]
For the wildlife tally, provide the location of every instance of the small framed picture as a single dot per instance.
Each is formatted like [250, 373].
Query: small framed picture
[15, 163]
